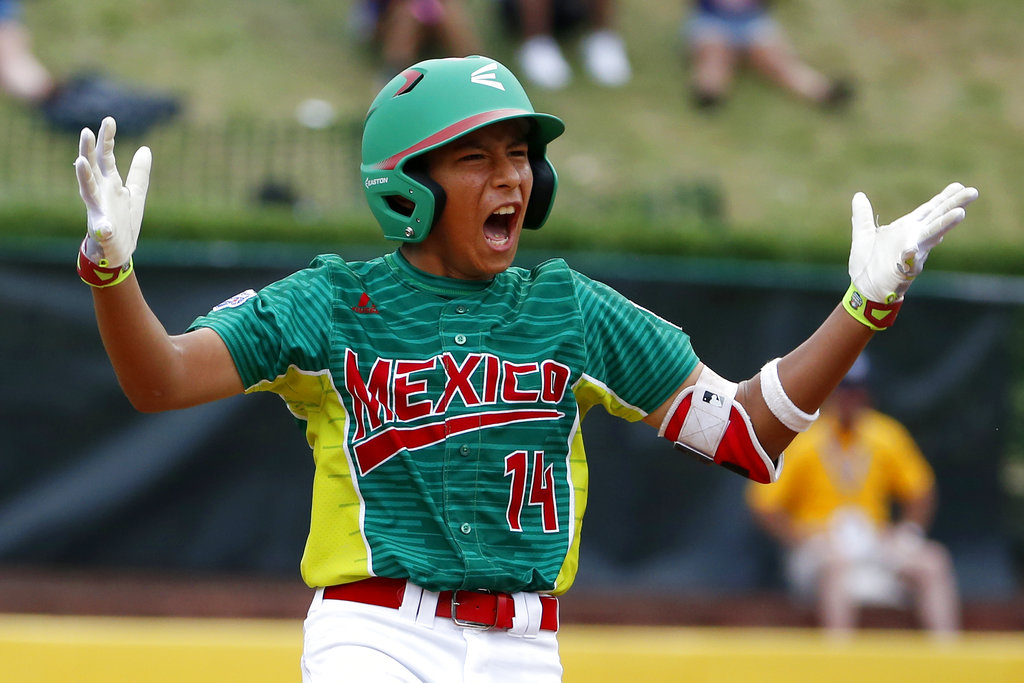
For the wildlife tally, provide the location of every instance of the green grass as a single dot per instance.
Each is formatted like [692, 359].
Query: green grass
[939, 99]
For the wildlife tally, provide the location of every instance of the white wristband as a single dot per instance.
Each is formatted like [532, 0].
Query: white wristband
[779, 402]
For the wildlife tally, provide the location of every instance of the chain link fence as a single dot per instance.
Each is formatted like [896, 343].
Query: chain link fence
[236, 165]
[222, 166]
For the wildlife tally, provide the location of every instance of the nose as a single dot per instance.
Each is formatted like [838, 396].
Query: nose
[507, 172]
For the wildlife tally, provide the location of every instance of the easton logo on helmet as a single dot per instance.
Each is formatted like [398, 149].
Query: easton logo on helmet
[370, 182]
[485, 76]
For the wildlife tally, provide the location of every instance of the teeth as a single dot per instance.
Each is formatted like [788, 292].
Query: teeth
[505, 210]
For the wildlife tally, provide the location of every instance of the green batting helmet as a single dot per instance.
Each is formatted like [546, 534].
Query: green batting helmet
[432, 103]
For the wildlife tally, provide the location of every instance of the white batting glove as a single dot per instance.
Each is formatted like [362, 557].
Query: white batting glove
[885, 259]
[114, 209]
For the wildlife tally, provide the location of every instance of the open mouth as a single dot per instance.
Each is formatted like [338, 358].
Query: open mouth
[498, 226]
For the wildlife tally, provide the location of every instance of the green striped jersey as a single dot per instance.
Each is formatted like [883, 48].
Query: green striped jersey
[444, 415]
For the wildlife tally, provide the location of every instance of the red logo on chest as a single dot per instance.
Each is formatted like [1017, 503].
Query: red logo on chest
[365, 305]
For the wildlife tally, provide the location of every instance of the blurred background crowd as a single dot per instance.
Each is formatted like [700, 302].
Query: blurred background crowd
[719, 36]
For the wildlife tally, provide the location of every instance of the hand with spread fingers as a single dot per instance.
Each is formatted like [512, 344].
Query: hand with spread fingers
[114, 208]
[885, 259]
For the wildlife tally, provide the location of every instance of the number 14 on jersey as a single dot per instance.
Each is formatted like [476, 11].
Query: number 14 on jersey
[539, 480]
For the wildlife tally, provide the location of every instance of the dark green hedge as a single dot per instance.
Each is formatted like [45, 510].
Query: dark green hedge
[615, 234]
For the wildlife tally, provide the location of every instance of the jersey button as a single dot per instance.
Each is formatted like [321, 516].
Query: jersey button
[465, 528]
[460, 339]
[464, 449]
[461, 308]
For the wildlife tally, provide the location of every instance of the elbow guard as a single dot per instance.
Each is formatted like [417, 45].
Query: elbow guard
[706, 421]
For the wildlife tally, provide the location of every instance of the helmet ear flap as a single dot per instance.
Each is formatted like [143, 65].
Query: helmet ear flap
[545, 181]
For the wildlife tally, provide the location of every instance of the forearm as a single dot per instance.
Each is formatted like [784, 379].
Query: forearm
[809, 373]
[143, 355]
[158, 371]
[806, 376]
[884, 260]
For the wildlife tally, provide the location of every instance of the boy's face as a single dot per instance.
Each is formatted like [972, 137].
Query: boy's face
[487, 178]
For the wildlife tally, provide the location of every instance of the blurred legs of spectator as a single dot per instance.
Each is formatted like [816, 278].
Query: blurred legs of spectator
[405, 31]
[854, 566]
[718, 46]
[76, 103]
[542, 22]
[22, 76]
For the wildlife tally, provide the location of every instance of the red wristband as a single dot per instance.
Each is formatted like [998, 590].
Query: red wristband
[99, 276]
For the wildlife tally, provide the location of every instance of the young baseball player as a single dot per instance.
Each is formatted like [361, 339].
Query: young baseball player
[443, 390]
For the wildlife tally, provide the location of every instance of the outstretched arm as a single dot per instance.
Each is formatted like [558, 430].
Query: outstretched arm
[884, 260]
[808, 374]
[157, 371]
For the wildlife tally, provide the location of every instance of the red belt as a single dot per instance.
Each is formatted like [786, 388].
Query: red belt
[472, 609]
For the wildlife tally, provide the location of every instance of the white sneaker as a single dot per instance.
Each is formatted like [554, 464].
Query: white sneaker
[543, 63]
[604, 54]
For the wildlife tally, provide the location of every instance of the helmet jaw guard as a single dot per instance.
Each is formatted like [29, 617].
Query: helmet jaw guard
[399, 223]
[427, 106]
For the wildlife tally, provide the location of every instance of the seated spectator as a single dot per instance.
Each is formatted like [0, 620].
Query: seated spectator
[405, 31]
[541, 25]
[78, 102]
[22, 75]
[722, 34]
[830, 511]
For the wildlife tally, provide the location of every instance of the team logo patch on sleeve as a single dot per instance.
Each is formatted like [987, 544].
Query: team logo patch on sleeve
[235, 301]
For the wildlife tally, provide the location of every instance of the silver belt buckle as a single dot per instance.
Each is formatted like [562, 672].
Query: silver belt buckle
[475, 625]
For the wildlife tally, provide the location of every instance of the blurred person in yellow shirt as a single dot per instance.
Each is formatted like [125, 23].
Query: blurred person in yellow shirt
[831, 510]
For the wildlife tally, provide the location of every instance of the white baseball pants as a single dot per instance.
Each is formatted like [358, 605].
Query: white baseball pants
[351, 641]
